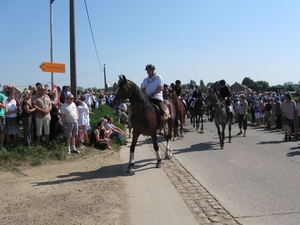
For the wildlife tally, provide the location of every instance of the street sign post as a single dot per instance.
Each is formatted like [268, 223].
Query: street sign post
[52, 67]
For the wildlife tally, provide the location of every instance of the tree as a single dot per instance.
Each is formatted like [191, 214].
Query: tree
[262, 85]
[115, 87]
[192, 82]
[79, 88]
[202, 86]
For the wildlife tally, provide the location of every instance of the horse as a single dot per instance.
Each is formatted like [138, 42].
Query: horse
[221, 116]
[145, 119]
[196, 114]
[180, 113]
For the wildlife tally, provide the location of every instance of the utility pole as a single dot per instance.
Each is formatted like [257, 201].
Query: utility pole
[72, 51]
[105, 85]
[51, 41]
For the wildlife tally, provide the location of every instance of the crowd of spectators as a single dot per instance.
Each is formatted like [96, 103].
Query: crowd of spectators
[272, 110]
[42, 114]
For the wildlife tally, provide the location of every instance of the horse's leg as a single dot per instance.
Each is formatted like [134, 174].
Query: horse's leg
[132, 149]
[181, 125]
[223, 134]
[229, 130]
[202, 122]
[220, 135]
[175, 129]
[197, 121]
[168, 137]
[156, 149]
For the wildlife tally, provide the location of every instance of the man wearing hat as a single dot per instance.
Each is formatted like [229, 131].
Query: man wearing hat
[69, 118]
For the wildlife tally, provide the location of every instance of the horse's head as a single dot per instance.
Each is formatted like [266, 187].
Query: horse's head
[210, 98]
[123, 90]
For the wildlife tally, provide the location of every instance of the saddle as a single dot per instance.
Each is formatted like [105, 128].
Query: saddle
[167, 113]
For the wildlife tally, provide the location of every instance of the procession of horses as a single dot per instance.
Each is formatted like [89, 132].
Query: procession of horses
[145, 117]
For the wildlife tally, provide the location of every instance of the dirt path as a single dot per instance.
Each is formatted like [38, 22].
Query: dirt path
[84, 190]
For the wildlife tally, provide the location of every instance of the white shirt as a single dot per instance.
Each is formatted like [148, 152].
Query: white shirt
[151, 85]
[70, 112]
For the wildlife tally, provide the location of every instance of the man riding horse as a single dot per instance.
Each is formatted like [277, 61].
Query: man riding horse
[225, 95]
[178, 89]
[152, 86]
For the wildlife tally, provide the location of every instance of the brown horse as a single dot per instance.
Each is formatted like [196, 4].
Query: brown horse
[180, 113]
[145, 118]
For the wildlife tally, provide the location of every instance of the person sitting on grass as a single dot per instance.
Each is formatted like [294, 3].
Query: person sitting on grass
[115, 132]
[98, 139]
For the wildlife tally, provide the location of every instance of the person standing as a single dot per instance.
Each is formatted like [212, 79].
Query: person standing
[268, 112]
[242, 115]
[69, 118]
[83, 123]
[297, 119]
[11, 120]
[289, 111]
[278, 113]
[152, 86]
[2, 119]
[42, 103]
[27, 111]
[55, 126]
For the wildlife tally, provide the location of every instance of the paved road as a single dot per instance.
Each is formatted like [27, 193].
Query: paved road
[255, 178]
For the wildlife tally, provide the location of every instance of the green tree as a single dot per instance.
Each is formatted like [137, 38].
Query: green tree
[79, 88]
[115, 87]
[262, 85]
[192, 82]
[202, 87]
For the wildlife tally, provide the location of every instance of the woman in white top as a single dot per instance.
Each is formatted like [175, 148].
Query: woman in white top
[83, 123]
[11, 117]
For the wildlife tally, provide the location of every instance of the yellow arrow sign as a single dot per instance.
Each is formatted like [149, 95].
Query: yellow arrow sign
[52, 67]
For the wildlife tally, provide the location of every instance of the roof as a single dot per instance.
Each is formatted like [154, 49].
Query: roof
[237, 87]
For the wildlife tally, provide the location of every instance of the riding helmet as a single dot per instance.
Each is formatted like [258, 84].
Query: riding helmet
[222, 82]
[150, 67]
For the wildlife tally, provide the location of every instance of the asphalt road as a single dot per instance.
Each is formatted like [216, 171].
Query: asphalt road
[255, 178]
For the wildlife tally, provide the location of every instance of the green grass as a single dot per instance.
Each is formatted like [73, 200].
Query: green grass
[35, 155]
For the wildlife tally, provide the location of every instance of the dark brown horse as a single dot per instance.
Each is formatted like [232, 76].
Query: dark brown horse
[145, 118]
[196, 114]
[180, 113]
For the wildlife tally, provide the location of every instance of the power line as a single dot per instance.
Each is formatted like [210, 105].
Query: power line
[87, 12]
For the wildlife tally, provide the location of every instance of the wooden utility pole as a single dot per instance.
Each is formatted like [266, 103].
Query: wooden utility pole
[72, 51]
[105, 85]
[51, 41]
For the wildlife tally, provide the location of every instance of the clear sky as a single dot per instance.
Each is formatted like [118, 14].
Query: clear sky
[186, 40]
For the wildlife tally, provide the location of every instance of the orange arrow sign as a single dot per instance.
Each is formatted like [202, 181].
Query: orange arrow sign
[52, 67]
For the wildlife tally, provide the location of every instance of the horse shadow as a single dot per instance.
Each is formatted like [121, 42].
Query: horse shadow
[199, 147]
[270, 142]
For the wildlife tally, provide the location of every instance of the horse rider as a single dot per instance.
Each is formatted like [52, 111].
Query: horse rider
[225, 95]
[191, 91]
[166, 94]
[152, 86]
[178, 90]
[196, 94]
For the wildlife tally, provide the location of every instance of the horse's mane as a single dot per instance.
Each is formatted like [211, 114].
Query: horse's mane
[139, 98]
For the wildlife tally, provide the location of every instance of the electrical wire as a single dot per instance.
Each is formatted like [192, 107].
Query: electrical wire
[88, 16]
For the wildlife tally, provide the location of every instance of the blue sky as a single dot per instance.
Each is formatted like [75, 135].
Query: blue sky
[186, 40]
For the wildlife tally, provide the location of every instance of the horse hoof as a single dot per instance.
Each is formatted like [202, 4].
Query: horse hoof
[158, 164]
[129, 172]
